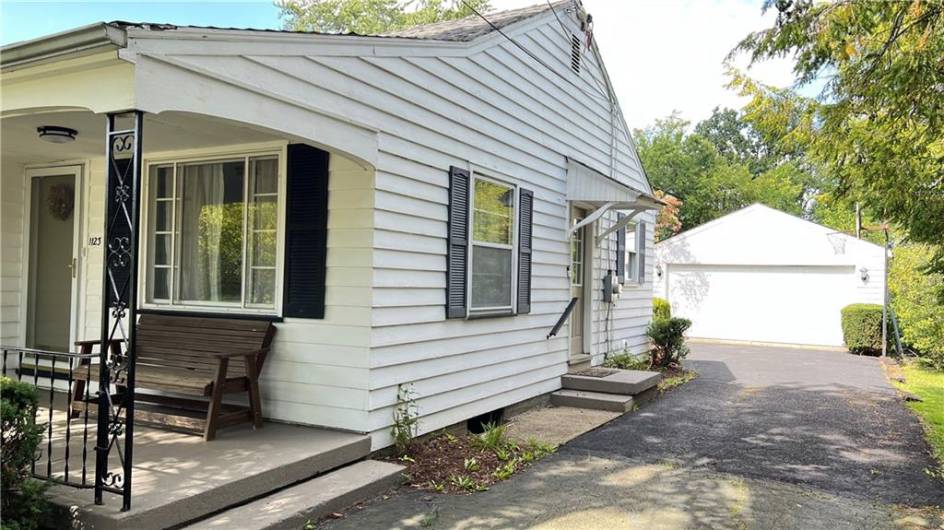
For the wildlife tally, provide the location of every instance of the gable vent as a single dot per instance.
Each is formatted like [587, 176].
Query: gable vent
[575, 53]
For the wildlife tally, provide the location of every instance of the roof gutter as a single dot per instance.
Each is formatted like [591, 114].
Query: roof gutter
[86, 40]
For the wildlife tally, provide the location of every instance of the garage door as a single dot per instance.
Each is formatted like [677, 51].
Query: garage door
[794, 305]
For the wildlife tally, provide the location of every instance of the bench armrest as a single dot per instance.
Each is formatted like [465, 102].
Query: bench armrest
[239, 353]
[95, 342]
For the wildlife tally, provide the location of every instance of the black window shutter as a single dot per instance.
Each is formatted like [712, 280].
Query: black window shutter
[458, 243]
[641, 246]
[525, 215]
[620, 250]
[306, 227]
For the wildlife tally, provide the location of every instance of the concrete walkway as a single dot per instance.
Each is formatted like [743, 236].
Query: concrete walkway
[764, 438]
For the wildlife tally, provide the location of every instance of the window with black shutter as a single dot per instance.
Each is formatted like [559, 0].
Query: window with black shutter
[458, 243]
[525, 214]
[489, 237]
[306, 237]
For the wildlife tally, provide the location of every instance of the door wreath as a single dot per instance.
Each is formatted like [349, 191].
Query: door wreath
[61, 201]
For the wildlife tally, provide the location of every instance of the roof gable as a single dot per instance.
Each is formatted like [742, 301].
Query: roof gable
[759, 234]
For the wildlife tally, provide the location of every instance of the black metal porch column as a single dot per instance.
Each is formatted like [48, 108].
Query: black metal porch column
[123, 149]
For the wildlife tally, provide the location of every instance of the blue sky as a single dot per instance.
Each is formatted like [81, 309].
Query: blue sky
[27, 20]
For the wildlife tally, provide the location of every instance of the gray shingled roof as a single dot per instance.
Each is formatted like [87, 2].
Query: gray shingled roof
[472, 27]
[460, 30]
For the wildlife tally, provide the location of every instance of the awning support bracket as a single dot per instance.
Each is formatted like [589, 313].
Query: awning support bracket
[598, 213]
[619, 225]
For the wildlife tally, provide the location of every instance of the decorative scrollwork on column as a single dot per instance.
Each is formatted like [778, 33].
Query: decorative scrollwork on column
[114, 447]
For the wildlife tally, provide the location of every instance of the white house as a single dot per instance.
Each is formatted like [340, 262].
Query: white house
[424, 205]
[761, 275]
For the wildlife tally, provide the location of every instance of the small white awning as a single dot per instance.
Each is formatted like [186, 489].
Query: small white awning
[589, 186]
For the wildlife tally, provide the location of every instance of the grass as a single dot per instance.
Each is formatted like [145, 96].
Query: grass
[928, 384]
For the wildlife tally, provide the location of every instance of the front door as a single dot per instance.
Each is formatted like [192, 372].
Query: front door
[578, 264]
[53, 257]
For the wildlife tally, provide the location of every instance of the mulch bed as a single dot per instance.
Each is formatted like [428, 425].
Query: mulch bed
[439, 463]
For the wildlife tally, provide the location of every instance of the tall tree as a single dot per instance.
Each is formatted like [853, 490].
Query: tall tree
[734, 138]
[878, 124]
[371, 17]
[712, 182]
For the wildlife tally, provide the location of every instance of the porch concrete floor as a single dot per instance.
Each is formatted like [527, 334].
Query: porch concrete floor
[178, 477]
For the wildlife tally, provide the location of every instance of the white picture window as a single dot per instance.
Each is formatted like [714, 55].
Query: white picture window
[633, 249]
[212, 233]
[493, 246]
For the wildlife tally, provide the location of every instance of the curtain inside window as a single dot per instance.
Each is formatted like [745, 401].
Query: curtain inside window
[211, 231]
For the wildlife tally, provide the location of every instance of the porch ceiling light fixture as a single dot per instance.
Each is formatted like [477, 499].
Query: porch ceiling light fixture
[56, 135]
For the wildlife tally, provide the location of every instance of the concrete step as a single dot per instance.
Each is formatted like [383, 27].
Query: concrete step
[611, 381]
[293, 507]
[578, 363]
[592, 400]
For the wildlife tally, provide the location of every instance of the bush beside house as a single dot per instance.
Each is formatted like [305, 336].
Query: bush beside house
[668, 340]
[23, 503]
[862, 328]
[916, 298]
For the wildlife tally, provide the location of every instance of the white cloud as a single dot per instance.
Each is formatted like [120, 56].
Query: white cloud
[665, 55]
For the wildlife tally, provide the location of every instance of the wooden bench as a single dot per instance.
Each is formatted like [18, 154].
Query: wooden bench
[196, 356]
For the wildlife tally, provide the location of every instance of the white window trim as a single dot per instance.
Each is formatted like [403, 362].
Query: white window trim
[245, 151]
[640, 247]
[512, 307]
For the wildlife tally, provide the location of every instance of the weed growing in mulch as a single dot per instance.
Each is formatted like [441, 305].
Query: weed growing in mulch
[675, 376]
[467, 463]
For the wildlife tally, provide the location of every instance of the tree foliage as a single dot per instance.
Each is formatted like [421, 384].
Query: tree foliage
[720, 167]
[370, 17]
[877, 127]
[920, 316]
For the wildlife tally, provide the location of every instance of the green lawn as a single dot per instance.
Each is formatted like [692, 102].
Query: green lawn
[929, 385]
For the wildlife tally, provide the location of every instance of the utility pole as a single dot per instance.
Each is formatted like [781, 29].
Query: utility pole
[885, 293]
[858, 220]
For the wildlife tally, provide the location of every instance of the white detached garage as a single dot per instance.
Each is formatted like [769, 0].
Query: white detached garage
[761, 275]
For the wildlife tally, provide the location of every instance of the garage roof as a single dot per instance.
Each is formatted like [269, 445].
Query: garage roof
[759, 234]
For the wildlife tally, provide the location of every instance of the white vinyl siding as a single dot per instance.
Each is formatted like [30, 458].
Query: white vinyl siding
[429, 108]
[12, 261]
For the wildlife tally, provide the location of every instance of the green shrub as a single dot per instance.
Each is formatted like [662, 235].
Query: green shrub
[919, 310]
[661, 308]
[23, 503]
[668, 340]
[862, 328]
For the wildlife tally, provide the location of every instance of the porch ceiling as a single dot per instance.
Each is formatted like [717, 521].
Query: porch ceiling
[168, 131]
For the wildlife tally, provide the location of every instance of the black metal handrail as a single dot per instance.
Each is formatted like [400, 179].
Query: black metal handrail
[43, 369]
[563, 318]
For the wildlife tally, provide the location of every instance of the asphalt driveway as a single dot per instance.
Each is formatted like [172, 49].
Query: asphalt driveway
[764, 438]
[825, 419]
